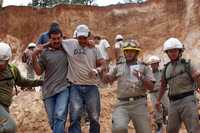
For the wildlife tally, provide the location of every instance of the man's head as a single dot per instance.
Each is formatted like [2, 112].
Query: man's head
[55, 37]
[154, 62]
[119, 38]
[82, 34]
[131, 50]
[174, 48]
[5, 55]
[97, 39]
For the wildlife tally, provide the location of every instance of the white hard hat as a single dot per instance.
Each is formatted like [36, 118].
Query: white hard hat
[153, 59]
[5, 51]
[118, 37]
[172, 43]
[82, 30]
[31, 45]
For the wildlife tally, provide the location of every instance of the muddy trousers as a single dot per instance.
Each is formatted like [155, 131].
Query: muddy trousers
[183, 110]
[135, 111]
[7, 124]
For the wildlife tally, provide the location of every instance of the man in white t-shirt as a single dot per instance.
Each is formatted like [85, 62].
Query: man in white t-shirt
[85, 63]
[119, 42]
[104, 47]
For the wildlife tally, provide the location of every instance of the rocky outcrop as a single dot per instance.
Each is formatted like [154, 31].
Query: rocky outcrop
[151, 23]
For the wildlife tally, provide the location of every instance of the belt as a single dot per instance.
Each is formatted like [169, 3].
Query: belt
[153, 91]
[131, 98]
[180, 96]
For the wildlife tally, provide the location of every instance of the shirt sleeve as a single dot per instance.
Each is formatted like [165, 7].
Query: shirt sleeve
[98, 53]
[106, 44]
[69, 45]
[42, 61]
[23, 82]
[113, 71]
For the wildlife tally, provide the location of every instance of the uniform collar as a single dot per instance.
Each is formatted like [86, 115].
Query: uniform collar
[176, 62]
[134, 62]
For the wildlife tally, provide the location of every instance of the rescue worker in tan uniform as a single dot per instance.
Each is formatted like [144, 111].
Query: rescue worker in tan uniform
[134, 78]
[160, 116]
[182, 77]
[9, 77]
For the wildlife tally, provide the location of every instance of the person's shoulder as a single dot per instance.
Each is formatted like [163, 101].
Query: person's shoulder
[70, 41]
[44, 33]
[105, 42]
[69, 44]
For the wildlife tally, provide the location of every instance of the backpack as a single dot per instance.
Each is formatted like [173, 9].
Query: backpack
[24, 58]
[187, 66]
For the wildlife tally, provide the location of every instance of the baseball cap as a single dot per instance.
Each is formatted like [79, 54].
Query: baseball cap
[82, 30]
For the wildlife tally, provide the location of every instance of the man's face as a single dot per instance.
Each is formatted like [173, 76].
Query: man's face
[3, 65]
[55, 40]
[173, 54]
[155, 66]
[130, 55]
[83, 41]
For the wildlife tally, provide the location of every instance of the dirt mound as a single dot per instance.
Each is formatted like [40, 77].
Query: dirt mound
[28, 110]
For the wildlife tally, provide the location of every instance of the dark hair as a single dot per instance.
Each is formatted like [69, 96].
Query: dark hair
[54, 24]
[55, 30]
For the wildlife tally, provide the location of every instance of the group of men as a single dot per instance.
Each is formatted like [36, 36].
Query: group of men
[72, 69]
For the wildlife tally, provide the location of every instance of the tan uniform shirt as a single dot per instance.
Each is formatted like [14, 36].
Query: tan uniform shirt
[181, 83]
[6, 86]
[128, 84]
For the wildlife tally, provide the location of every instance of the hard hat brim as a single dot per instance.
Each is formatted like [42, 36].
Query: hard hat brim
[131, 48]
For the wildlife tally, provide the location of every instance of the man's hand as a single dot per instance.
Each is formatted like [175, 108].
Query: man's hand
[93, 74]
[106, 78]
[38, 50]
[138, 74]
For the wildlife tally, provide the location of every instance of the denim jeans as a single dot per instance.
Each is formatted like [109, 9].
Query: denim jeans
[7, 124]
[88, 95]
[57, 110]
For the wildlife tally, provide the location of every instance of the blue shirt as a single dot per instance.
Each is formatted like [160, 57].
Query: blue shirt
[43, 38]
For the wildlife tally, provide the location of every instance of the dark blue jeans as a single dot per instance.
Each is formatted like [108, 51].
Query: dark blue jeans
[88, 95]
[57, 110]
